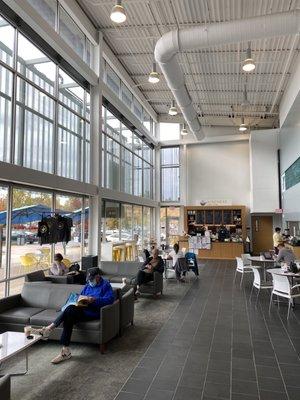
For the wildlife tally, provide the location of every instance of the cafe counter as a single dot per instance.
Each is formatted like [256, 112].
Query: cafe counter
[218, 250]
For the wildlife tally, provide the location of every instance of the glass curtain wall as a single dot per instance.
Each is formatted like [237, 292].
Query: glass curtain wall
[170, 174]
[127, 161]
[123, 222]
[113, 81]
[58, 18]
[169, 225]
[21, 209]
[51, 111]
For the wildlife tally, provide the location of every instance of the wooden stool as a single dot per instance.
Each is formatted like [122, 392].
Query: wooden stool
[129, 252]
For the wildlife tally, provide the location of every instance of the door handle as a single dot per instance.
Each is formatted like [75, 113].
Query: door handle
[256, 225]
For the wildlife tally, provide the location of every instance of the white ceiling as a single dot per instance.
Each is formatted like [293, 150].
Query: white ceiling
[214, 77]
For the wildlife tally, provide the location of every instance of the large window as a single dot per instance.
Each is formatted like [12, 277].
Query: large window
[66, 27]
[169, 225]
[170, 174]
[124, 222]
[51, 111]
[112, 80]
[169, 131]
[21, 209]
[126, 159]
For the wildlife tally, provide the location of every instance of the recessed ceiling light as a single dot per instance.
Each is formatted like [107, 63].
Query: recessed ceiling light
[118, 14]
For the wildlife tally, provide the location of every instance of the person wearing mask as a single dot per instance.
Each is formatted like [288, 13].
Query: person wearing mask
[151, 265]
[277, 238]
[174, 255]
[97, 293]
[58, 267]
[285, 254]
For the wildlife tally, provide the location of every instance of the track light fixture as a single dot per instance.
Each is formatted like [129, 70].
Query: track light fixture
[184, 131]
[118, 14]
[153, 76]
[173, 110]
[242, 127]
[248, 64]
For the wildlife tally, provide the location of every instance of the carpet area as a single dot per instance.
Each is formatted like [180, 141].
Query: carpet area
[88, 375]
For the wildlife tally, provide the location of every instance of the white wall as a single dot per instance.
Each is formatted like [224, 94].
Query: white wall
[218, 171]
[264, 171]
[290, 151]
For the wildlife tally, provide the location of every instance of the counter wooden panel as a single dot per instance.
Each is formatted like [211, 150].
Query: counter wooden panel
[222, 251]
[218, 251]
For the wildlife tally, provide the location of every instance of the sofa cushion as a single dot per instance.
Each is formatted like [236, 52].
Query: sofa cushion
[45, 317]
[19, 315]
[46, 294]
[93, 325]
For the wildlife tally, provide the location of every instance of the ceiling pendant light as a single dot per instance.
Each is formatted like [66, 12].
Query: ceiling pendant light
[153, 76]
[184, 131]
[242, 127]
[248, 64]
[173, 110]
[118, 14]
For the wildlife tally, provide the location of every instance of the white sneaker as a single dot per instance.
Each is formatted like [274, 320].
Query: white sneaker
[63, 356]
[44, 332]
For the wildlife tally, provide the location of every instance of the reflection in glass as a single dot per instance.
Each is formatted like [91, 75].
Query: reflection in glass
[112, 221]
[26, 253]
[5, 112]
[71, 206]
[7, 38]
[35, 65]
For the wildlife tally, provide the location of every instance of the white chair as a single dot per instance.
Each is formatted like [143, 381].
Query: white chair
[283, 288]
[257, 282]
[242, 269]
[245, 258]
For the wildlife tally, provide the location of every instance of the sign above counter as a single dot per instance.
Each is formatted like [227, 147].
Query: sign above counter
[216, 202]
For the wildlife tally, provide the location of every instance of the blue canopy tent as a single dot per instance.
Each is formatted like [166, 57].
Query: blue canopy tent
[24, 215]
[76, 215]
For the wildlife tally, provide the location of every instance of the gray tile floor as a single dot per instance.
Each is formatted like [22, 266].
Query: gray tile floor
[218, 345]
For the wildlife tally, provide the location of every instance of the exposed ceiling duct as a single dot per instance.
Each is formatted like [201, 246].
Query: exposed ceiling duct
[216, 34]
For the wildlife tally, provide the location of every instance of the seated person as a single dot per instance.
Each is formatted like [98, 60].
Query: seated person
[99, 293]
[151, 265]
[58, 267]
[174, 255]
[285, 254]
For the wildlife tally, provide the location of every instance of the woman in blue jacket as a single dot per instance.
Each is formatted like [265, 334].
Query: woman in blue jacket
[97, 293]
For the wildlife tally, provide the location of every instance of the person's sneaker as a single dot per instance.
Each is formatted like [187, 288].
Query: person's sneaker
[137, 293]
[63, 356]
[44, 332]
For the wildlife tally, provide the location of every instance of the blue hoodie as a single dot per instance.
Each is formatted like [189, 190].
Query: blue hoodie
[103, 294]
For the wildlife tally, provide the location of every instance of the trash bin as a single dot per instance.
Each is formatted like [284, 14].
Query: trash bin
[20, 240]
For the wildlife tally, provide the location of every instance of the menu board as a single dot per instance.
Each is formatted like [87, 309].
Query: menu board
[209, 217]
[227, 217]
[218, 217]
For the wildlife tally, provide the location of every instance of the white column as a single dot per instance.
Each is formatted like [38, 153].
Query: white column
[96, 156]
[157, 173]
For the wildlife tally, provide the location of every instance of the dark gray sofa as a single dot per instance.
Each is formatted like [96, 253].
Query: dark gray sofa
[126, 309]
[40, 302]
[39, 276]
[5, 387]
[115, 271]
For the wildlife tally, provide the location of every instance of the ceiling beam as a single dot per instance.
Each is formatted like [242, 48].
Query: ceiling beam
[133, 54]
[254, 75]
